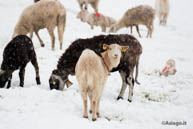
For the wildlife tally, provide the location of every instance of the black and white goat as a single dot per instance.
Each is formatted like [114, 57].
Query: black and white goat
[129, 60]
[18, 52]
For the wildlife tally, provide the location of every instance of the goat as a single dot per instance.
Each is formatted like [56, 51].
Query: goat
[92, 71]
[162, 10]
[18, 52]
[142, 14]
[96, 19]
[169, 69]
[129, 60]
[94, 4]
[43, 14]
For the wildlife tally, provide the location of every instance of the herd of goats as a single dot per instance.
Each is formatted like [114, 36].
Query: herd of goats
[91, 60]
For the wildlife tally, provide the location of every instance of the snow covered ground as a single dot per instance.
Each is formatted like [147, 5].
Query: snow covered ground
[156, 101]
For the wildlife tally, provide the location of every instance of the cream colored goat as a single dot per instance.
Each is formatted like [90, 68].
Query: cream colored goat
[43, 14]
[92, 71]
[162, 10]
[96, 19]
[93, 3]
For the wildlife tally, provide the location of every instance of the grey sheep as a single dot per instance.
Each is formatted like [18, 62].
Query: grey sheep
[142, 14]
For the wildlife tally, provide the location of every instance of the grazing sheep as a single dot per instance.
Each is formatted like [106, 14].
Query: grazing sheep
[96, 19]
[92, 71]
[43, 14]
[129, 60]
[93, 3]
[142, 14]
[18, 52]
[162, 10]
[169, 69]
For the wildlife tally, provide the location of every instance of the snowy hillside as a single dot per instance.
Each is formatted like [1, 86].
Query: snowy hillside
[156, 101]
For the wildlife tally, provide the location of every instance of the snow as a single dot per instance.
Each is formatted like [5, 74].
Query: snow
[155, 101]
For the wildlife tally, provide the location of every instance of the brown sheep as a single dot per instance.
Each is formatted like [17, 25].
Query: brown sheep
[162, 10]
[94, 4]
[142, 14]
[43, 14]
[96, 19]
[92, 71]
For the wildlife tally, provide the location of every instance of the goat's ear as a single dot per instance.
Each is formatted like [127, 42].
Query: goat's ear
[2, 72]
[124, 48]
[105, 47]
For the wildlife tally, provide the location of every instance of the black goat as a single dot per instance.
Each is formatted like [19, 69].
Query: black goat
[18, 52]
[129, 60]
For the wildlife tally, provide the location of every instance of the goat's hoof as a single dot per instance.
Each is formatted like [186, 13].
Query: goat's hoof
[21, 85]
[138, 83]
[93, 119]
[38, 80]
[119, 97]
[42, 45]
[129, 100]
[90, 111]
[98, 114]
[85, 116]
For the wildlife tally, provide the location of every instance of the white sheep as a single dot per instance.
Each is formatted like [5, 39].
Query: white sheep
[92, 71]
[96, 19]
[142, 14]
[162, 10]
[43, 14]
[93, 3]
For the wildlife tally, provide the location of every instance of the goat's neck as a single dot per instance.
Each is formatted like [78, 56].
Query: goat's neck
[107, 61]
[120, 24]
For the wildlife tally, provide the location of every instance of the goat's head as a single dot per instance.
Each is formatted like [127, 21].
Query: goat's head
[114, 53]
[83, 15]
[58, 80]
[3, 78]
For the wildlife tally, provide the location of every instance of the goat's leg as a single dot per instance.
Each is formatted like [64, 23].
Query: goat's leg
[31, 34]
[86, 5]
[9, 82]
[51, 33]
[84, 97]
[137, 28]
[94, 107]
[41, 41]
[137, 71]
[165, 19]
[152, 28]
[94, 5]
[124, 85]
[21, 75]
[149, 31]
[35, 64]
[103, 29]
[90, 98]
[60, 34]
[131, 86]
[97, 110]
[131, 29]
